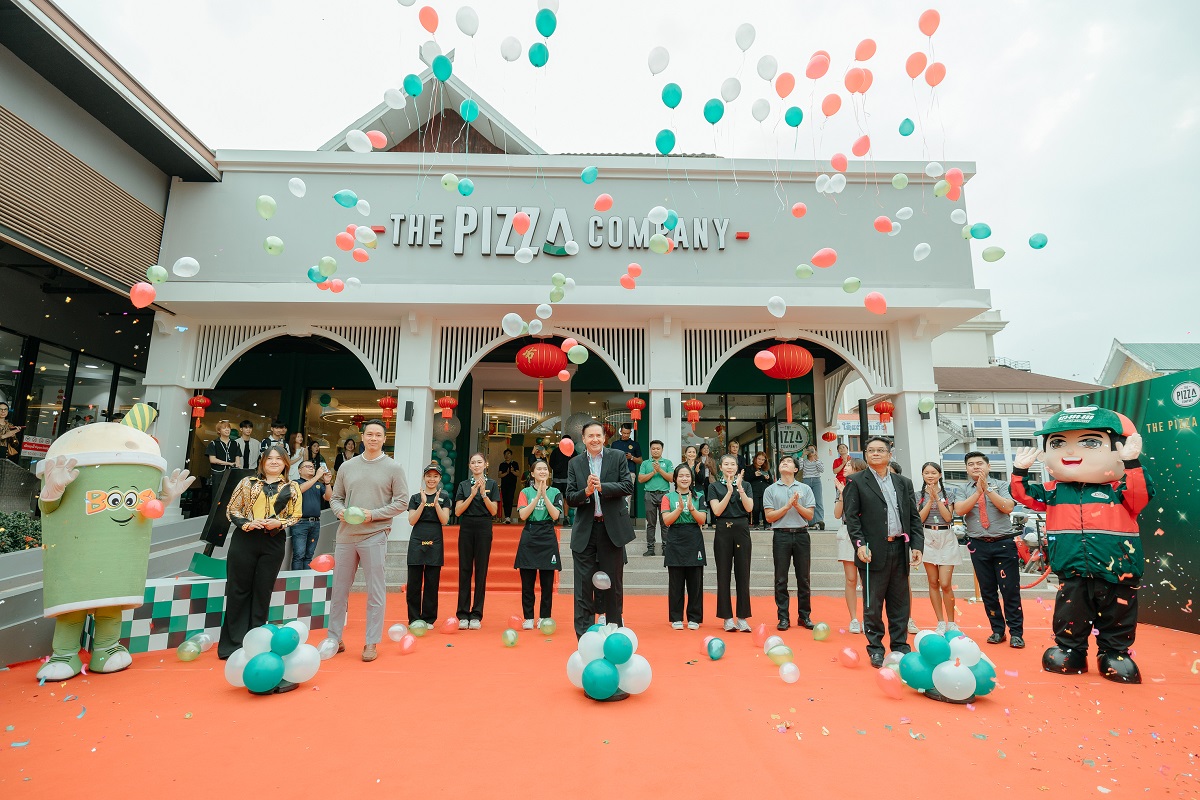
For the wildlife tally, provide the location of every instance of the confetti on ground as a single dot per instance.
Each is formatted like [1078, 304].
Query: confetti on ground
[1012, 673]
[1103, 790]
[1001, 754]
[20, 744]
[1087, 762]
[861, 733]
[81, 713]
[70, 697]
[979, 735]
[188, 715]
[914, 735]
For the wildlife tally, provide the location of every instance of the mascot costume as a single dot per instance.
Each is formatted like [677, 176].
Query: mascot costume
[100, 492]
[1097, 490]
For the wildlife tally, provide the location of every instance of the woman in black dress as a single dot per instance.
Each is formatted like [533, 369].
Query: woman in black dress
[428, 511]
[705, 471]
[475, 503]
[732, 505]
[684, 511]
[510, 471]
[759, 479]
[349, 450]
[540, 506]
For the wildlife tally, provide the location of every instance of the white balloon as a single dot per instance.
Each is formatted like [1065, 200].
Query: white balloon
[203, 641]
[570, 284]
[921, 251]
[822, 184]
[234, 666]
[591, 646]
[744, 36]
[772, 641]
[257, 640]
[789, 672]
[632, 636]
[510, 48]
[544, 311]
[357, 141]
[468, 20]
[904, 213]
[512, 324]
[730, 89]
[658, 60]
[363, 208]
[297, 187]
[934, 170]
[953, 681]
[601, 581]
[635, 675]
[301, 628]
[895, 229]
[921, 634]
[397, 631]
[394, 98]
[535, 326]
[837, 183]
[327, 649]
[430, 50]
[776, 306]
[186, 267]
[406, 3]
[301, 664]
[524, 255]
[965, 650]
[657, 215]
[353, 283]
[575, 670]
[958, 216]
[364, 234]
[571, 247]
[760, 109]
[767, 67]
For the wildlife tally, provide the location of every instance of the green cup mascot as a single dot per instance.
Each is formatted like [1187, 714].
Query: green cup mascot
[1097, 490]
[100, 494]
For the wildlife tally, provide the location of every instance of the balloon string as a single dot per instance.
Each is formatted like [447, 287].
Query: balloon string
[924, 141]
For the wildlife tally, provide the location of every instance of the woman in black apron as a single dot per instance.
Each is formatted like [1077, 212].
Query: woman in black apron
[683, 546]
[428, 511]
[732, 504]
[540, 506]
[475, 503]
[510, 471]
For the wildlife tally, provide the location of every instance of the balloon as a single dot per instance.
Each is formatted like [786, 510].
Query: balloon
[672, 94]
[837, 183]
[520, 222]
[925, 405]
[824, 258]
[965, 651]
[187, 650]
[617, 648]
[524, 255]
[730, 89]
[628, 282]
[764, 360]
[831, 104]
[428, 18]
[418, 628]
[875, 303]
[991, 254]
[818, 65]
[883, 224]
[575, 670]
[301, 664]
[935, 73]
[934, 649]
[344, 241]
[297, 187]
[591, 646]
[904, 213]
[804, 271]
[397, 631]
[466, 187]
[546, 22]
[776, 306]
[865, 49]
[799, 210]
[921, 251]
[363, 207]
[263, 672]
[156, 274]
[635, 675]
[714, 109]
[985, 677]
[714, 648]
[854, 80]
[760, 109]
[364, 234]
[1037, 241]
[672, 220]
[954, 176]
[867, 80]
[784, 84]
[359, 255]
[899, 180]
[544, 311]
[548, 627]
[358, 142]
[284, 641]
[953, 681]
[412, 85]
[408, 644]
[760, 633]
[767, 65]
[789, 672]
[322, 563]
[469, 110]
[839, 162]
[771, 643]
[914, 66]
[600, 579]
[954, 193]
[186, 267]
[664, 142]
[966, 231]
[634, 269]
[981, 230]
[141, 294]
[851, 285]
[889, 682]
[236, 665]
[848, 657]
[929, 21]
[257, 640]
[539, 54]
[467, 20]
[793, 116]
[567, 344]
[510, 49]
[906, 127]
[861, 146]
[450, 625]
[354, 516]
[915, 672]
[265, 204]
[744, 36]
[658, 60]
[603, 202]
[959, 216]
[345, 198]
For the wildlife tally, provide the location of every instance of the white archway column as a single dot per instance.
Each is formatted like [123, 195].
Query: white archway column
[412, 444]
[168, 366]
[665, 379]
[916, 438]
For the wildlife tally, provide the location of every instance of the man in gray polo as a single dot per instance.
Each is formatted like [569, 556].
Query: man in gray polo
[789, 505]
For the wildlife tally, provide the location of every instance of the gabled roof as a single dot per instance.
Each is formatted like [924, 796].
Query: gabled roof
[400, 123]
[1003, 379]
[1163, 357]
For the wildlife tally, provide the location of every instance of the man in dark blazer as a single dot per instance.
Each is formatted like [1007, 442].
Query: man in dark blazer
[598, 484]
[885, 529]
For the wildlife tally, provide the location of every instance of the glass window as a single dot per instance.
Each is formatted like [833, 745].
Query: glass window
[10, 365]
[949, 408]
[129, 391]
[90, 392]
[43, 415]
[983, 408]
[1049, 408]
[988, 442]
[257, 405]
[1014, 408]
[950, 475]
[1023, 442]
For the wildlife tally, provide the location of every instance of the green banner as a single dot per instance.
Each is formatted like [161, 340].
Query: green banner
[1166, 411]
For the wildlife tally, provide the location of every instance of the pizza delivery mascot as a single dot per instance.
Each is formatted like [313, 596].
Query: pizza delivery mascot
[1096, 491]
[102, 486]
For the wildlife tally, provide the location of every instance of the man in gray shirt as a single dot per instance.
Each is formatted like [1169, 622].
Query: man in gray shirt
[374, 484]
[789, 505]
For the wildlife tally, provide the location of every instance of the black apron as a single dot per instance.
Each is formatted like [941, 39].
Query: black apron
[538, 548]
[425, 545]
[684, 546]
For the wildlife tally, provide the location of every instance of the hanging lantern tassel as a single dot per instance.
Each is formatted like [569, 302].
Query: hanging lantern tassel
[789, 402]
[541, 386]
[447, 404]
[635, 407]
[198, 404]
[541, 360]
[387, 404]
[693, 407]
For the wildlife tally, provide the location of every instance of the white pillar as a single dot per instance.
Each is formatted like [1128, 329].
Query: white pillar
[664, 369]
[916, 438]
[412, 444]
[669, 430]
[168, 368]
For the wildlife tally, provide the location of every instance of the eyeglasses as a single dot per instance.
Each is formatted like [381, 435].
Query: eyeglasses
[876, 451]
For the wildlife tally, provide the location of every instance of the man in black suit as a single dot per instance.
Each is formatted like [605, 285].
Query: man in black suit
[598, 483]
[885, 529]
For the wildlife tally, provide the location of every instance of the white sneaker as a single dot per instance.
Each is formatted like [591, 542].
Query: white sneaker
[952, 626]
[677, 626]
[855, 626]
[912, 627]
[527, 625]
[463, 623]
[603, 619]
[940, 629]
[743, 626]
[693, 626]
[730, 625]
[475, 625]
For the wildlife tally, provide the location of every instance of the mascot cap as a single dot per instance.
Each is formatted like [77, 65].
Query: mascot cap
[1086, 418]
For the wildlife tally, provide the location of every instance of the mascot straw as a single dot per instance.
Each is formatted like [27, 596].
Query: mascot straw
[1092, 503]
[100, 492]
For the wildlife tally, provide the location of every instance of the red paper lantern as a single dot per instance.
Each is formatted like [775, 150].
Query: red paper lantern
[609, 431]
[541, 360]
[885, 418]
[884, 407]
[791, 361]
[829, 436]
[447, 404]
[387, 404]
[198, 404]
[693, 407]
[358, 420]
[635, 407]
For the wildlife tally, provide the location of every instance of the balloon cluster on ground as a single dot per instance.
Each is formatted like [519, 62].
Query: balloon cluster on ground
[607, 662]
[270, 655]
[951, 666]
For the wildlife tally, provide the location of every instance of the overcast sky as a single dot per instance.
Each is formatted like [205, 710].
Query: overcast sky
[1082, 117]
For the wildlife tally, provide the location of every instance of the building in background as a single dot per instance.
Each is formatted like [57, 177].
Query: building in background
[1129, 363]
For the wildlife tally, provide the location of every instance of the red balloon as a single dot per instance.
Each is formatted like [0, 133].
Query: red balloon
[760, 635]
[322, 563]
[344, 241]
[868, 79]
[141, 294]
[875, 303]
[954, 176]
[351, 228]
[429, 19]
[564, 376]
[849, 657]
[839, 162]
[635, 270]
[889, 682]
[929, 21]
[818, 65]
[799, 210]
[935, 73]
[784, 84]
[520, 222]
[831, 104]
[854, 79]
[604, 202]
[378, 139]
[670, 245]
[152, 509]
[360, 255]
[566, 445]
[883, 224]
[865, 49]
[450, 625]
[954, 193]
[408, 644]
[861, 146]
[825, 257]
[514, 622]
[915, 65]
[336, 285]
[323, 286]
[567, 344]
[764, 360]
[628, 282]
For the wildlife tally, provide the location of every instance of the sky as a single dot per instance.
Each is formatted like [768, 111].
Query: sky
[1082, 118]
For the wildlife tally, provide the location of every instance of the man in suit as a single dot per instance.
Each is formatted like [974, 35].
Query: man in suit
[885, 529]
[598, 482]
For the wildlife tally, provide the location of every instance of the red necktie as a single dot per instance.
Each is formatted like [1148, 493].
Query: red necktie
[983, 517]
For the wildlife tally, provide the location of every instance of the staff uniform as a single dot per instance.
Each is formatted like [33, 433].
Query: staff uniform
[790, 544]
[474, 546]
[731, 549]
[426, 555]
[941, 545]
[654, 490]
[993, 548]
[537, 552]
[684, 557]
[224, 451]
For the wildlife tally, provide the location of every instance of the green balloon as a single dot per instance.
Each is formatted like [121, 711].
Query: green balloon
[325, 399]
[985, 677]
[658, 244]
[156, 274]
[804, 271]
[265, 204]
[285, 640]
[412, 85]
[557, 294]
[780, 654]
[442, 68]
[314, 274]
[600, 679]
[915, 672]
[539, 54]
[991, 254]
[966, 232]
[588, 175]
[469, 110]
[907, 127]
[665, 141]
[418, 628]
[952, 635]
[618, 648]
[851, 285]
[1037, 242]
[354, 516]
[263, 672]
[466, 186]
[981, 230]
[716, 648]
[558, 279]
[899, 180]
[925, 405]
[672, 95]
[509, 637]
[934, 650]
[346, 198]
[820, 632]
[793, 117]
[577, 354]
[546, 22]
[273, 245]
[713, 110]
[672, 220]
[188, 650]
[548, 627]
[326, 266]
[941, 188]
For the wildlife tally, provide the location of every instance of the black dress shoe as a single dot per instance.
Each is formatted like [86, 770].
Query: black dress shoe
[1064, 661]
[1118, 667]
[649, 551]
[806, 622]
[1016, 642]
[995, 638]
[877, 662]
[783, 625]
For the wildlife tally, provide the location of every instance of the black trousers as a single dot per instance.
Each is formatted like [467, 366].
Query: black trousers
[599, 555]
[252, 566]
[731, 551]
[690, 579]
[423, 582]
[758, 515]
[1086, 603]
[788, 548]
[546, 578]
[998, 569]
[888, 587]
[474, 550]
[508, 492]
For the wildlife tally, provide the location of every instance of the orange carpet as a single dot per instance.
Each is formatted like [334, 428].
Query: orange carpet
[465, 717]
[501, 575]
